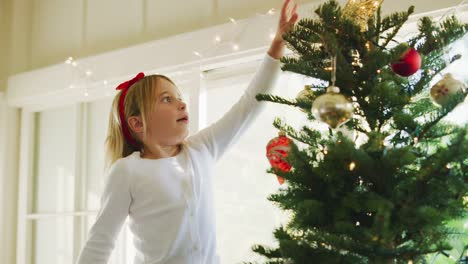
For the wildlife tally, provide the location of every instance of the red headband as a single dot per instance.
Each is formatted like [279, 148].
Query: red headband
[124, 87]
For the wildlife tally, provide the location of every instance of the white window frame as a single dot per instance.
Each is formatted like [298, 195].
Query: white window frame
[9, 128]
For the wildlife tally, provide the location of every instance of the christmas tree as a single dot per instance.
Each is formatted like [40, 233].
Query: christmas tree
[386, 198]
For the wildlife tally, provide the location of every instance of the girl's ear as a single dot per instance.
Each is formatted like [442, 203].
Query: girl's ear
[135, 124]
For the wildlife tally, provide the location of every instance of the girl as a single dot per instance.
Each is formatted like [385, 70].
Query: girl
[160, 178]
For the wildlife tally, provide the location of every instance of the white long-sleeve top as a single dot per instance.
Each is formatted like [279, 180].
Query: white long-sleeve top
[169, 201]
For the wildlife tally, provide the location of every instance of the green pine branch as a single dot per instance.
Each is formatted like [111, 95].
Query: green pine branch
[439, 115]
[393, 23]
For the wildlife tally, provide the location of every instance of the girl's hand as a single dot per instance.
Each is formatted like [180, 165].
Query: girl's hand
[286, 22]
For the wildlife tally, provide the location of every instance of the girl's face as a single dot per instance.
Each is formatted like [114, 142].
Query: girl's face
[167, 122]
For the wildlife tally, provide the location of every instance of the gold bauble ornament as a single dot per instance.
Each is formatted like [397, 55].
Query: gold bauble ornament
[332, 108]
[305, 95]
[361, 11]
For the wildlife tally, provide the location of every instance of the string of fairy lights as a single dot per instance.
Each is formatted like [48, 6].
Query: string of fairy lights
[83, 75]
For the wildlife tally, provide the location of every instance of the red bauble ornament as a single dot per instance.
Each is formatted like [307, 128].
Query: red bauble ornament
[276, 151]
[409, 63]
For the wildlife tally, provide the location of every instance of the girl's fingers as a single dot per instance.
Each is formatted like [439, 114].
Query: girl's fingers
[288, 16]
[294, 9]
[284, 8]
[294, 18]
[294, 15]
[291, 15]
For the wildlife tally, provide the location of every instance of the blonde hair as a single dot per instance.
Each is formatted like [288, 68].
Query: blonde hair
[139, 101]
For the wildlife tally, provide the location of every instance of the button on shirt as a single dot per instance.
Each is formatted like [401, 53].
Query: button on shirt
[169, 201]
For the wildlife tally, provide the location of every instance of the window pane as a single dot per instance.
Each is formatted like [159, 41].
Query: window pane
[97, 118]
[244, 216]
[53, 240]
[458, 69]
[54, 160]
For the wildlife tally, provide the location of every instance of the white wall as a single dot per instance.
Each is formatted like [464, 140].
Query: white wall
[45, 32]
[5, 20]
[8, 179]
